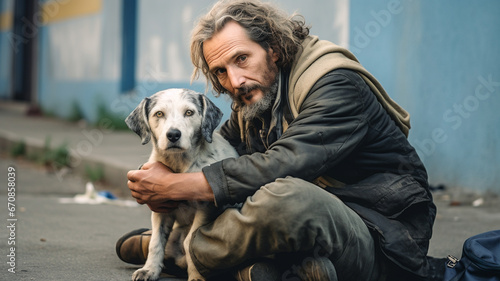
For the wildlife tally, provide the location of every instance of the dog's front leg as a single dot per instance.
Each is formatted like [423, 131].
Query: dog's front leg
[162, 226]
[202, 216]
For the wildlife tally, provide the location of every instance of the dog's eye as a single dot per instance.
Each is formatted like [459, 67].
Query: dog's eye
[189, 113]
[159, 114]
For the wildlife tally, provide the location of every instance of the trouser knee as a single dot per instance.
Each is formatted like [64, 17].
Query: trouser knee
[289, 215]
[320, 223]
[289, 200]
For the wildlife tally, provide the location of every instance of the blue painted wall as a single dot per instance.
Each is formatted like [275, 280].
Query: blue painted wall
[6, 8]
[80, 61]
[438, 59]
[80, 57]
[441, 61]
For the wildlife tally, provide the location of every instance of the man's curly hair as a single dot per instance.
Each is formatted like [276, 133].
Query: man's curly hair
[264, 23]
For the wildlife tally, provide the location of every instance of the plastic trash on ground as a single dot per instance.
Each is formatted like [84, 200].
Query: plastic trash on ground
[93, 197]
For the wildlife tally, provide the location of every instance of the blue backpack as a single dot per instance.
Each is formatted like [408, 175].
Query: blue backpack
[480, 259]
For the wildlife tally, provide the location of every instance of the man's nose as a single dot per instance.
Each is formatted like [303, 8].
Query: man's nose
[236, 77]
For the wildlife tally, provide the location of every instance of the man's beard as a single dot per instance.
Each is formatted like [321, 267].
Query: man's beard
[251, 111]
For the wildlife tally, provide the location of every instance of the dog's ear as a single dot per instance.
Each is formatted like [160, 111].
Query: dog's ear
[211, 117]
[138, 122]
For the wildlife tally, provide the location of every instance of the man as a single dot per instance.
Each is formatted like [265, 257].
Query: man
[329, 185]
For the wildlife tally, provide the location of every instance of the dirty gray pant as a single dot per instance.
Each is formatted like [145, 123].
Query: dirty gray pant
[287, 216]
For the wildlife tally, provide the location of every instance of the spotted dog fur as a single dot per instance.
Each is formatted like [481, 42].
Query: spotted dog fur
[180, 124]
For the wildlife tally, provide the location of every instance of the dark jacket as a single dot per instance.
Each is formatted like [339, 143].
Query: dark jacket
[341, 132]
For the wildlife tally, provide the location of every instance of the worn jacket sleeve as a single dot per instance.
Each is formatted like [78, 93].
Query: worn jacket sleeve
[331, 123]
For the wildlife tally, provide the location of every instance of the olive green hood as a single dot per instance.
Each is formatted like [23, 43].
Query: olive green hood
[319, 57]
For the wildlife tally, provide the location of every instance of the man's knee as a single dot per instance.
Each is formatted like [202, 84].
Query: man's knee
[293, 203]
[283, 196]
[293, 196]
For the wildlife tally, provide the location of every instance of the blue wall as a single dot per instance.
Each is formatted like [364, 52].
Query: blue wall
[81, 47]
[5, 48]
[441, 61]
[80, 59]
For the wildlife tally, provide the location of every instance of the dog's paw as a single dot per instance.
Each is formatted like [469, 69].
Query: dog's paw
[144, 274]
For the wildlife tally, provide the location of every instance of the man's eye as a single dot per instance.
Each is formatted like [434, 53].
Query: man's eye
[189, 113]
[159, 114]
[242, 58]
[220, 72]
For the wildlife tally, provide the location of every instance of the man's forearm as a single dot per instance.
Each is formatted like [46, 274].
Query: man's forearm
[191, 187]
[155, 184]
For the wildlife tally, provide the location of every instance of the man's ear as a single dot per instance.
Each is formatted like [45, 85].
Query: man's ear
[275, 56]
[210, 118]
[138, 121]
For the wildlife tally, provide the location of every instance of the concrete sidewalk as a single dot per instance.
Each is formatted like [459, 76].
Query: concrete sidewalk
[83, 237]
[55, 241]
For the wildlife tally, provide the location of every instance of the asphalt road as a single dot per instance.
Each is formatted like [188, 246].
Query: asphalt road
[55, 241]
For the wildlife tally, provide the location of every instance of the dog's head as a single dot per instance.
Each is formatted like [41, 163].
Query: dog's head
[176, 119]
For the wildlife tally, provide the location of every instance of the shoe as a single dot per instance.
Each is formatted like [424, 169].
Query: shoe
[260, 271]
[133, 246]
[320, 269]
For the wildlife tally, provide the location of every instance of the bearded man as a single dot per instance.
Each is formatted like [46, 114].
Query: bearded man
[327, 186]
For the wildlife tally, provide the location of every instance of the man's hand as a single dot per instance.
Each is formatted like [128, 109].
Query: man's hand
[161, 189]
[145, 186]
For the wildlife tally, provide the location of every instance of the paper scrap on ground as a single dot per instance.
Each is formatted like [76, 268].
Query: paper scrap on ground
[92, 197]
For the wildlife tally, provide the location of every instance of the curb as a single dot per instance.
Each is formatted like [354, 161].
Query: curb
[114, 174]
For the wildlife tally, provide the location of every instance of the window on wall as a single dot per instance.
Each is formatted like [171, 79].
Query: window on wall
[129, 38]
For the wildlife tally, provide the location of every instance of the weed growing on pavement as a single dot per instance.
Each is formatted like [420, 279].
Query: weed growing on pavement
[113, 121]
[56, 158]
[76, 113]
[18, 149]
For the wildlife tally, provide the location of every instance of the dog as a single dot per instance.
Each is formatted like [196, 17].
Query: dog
[181, 125]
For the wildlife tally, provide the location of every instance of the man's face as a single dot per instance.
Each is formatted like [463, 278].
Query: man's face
[241, 65]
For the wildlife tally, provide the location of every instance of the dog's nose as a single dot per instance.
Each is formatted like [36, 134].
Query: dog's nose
[173, 135]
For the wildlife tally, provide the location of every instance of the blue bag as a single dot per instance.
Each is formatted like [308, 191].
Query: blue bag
[480, 259]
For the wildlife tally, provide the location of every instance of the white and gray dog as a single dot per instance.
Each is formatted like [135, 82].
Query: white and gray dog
[181, 125]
